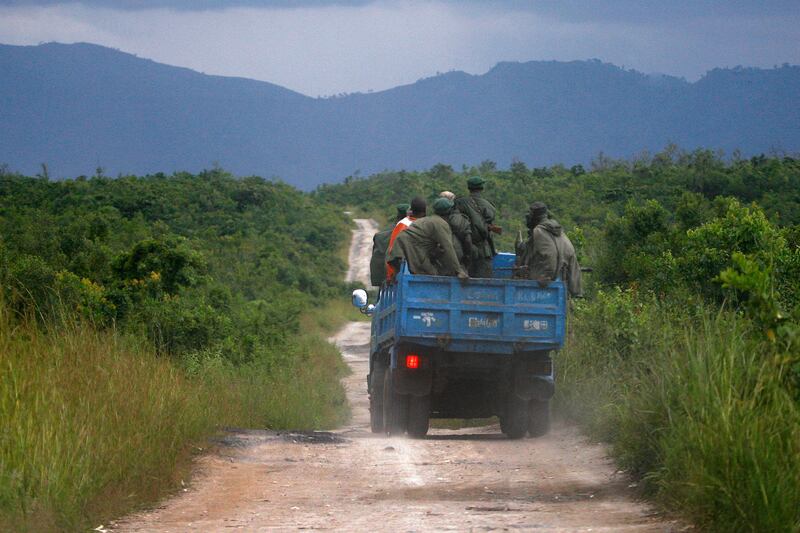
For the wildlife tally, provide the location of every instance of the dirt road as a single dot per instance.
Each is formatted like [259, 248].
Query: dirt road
[360, 250]
[351, 480]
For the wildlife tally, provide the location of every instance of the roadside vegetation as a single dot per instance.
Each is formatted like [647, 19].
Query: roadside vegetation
[695, 402]
[690, 363]
[685, 353]
[139, 316]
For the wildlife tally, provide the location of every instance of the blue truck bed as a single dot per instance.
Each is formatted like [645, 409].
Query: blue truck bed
[492, 316]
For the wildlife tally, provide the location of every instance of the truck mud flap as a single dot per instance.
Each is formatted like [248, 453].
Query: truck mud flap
[534, 387]
[416, 382]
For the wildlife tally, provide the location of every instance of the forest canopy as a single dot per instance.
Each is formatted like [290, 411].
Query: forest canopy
[193, 261]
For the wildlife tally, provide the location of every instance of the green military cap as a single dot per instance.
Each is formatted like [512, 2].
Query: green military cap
[475, 182]
[402, 209]
[442, 206]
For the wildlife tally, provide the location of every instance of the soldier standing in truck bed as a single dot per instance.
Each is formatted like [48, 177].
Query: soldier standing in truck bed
[462, 232]
[480, 213]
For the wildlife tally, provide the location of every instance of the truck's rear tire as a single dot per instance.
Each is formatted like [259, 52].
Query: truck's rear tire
[419, 412]
[376, 399]
[395, 407]
[538, 418]
[515, 421]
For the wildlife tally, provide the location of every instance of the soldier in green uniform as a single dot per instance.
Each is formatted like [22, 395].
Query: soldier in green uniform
[462, 232]
[549, 253]
[480, 213]
[427, 245]
[380, 243]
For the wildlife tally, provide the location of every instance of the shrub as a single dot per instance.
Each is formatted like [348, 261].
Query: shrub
[84, 297]
[708, 249]
[697, 407]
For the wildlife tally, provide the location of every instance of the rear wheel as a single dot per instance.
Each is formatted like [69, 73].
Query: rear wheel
[419, 412]
[395, 407]
[376, 399]
[515, 421]
[538, 418]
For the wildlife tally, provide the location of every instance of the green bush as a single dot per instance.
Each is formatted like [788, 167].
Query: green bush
[212, 271]
[84, 297]
[698, 407]
[191, 262]
[708, 249]
[170, 262]
[27, 281]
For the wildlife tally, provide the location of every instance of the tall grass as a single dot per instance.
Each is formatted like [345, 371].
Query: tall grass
[94, 424]
[693, 403]
[298, 388]
[88, 419]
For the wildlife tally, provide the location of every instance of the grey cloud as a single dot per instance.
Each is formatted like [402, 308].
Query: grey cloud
[185, 5]
[330, 47]
[641, 11]
[660, 12]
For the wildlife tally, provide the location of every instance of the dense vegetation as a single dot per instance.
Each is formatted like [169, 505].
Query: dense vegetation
[685, 355]
[139, 314]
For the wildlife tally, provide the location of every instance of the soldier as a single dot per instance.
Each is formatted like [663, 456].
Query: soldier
[418, 210]
[462, 231]
[480, 213]
[427, 245]
[550, 253]
[380, 243]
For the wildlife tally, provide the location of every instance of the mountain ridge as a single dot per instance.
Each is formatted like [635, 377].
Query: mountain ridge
[77, 107]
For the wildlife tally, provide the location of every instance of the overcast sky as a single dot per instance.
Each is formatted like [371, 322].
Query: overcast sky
[326, 47]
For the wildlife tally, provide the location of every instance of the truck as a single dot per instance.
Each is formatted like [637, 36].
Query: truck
[441, 347]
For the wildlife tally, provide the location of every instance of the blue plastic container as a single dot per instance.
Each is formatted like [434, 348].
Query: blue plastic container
[503, 265]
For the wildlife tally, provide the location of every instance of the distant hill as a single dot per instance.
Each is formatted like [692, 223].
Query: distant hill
[76, 107]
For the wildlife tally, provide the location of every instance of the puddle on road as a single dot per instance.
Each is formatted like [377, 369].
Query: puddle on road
[244, 438]
[313, 437]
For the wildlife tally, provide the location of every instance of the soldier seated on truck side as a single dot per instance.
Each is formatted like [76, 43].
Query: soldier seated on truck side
[427, 245]
[380, 244]
[418, 209]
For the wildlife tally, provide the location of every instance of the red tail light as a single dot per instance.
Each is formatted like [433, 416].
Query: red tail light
[412, 361]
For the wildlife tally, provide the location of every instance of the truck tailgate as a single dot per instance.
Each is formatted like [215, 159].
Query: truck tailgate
[480, 315]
